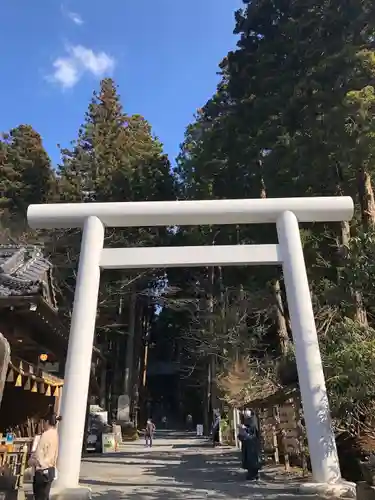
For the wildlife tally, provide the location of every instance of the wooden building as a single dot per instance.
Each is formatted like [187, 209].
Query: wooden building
[30, 323]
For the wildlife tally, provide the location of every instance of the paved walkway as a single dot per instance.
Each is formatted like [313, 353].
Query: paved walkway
[177, 467]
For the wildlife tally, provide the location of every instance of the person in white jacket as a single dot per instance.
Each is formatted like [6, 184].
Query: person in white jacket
[44, 459]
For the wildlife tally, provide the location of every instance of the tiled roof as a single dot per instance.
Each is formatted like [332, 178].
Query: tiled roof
[23, 271]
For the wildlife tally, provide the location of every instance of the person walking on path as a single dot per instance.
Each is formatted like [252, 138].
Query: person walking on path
[216, 430]
[44, 459]
[189, 422]
[149, 433]
[250, 448]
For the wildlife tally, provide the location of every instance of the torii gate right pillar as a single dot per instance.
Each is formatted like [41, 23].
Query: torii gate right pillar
[321, 439]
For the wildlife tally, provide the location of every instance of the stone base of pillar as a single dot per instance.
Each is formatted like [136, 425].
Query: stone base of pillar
[79, 493]
[341, 489]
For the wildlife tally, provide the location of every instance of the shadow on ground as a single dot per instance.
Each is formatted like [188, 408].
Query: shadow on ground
[161, 475]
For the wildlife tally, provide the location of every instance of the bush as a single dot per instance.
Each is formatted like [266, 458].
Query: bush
[348, 353]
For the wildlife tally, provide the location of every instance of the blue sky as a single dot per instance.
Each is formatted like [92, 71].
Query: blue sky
[163, 54]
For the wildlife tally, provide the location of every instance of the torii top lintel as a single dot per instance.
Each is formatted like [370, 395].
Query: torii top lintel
[186, 213]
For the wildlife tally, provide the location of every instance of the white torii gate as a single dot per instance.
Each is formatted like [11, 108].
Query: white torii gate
[285, 212]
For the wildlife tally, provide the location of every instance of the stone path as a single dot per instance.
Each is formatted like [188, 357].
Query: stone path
[177, 467]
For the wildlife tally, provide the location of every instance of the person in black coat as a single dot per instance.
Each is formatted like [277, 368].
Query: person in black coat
[250, 447]
[215, 430]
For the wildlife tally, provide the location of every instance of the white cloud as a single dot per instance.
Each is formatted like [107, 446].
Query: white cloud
[98, 64]
[65, 72]
[76, 18]
[68, 70]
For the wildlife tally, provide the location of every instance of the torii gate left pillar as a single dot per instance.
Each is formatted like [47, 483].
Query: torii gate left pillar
[286, 213]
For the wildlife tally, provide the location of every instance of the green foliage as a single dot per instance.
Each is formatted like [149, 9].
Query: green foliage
[115, 156]
[26, 175]
[360, 271]
[293, 116]
[348, 351]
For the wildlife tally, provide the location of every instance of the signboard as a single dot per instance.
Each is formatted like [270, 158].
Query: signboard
[199, 430]
[108, 443]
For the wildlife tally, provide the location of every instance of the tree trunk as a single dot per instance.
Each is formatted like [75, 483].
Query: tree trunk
[366, 199]
[282, 326]
[137, 364]
[345, 233]
[207, 398]
[145, 356]
[130, 344]
[360, 313]
[213, 388]
[367, 202]
[360, 310]
[281, 320]
[103, 384]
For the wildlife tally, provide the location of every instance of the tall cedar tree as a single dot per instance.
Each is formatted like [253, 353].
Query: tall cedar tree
[115, 158]
[293, 114]
[26, 175]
